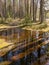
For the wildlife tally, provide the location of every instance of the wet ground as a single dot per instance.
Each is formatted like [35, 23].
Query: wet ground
[31, 59]
[22, 53]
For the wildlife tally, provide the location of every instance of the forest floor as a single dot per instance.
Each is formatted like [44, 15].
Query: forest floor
[30, 26]
[36, 26]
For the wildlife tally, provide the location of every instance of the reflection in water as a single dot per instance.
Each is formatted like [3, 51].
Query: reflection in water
[9, 55]
[32, 57]
[37, 34]
[1, 59]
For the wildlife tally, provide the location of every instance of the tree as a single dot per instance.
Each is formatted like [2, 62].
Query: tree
[26, 7]
[5, 8]
[1, 14]
[41, 11]
[14, 9]
[29, 11]
[35, 4]
[33, 11]
[20, 8]
[46, 7]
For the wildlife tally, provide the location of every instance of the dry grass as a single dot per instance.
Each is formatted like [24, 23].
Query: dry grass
[3, 43]
[43, 27]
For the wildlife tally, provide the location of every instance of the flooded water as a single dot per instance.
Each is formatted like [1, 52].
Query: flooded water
[24, 47]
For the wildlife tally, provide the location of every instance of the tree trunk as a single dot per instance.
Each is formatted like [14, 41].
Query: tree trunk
[5, 9]
[41, 11]
[20, 8]
[14, 9]
[30, 8]
[25, 7]
[33, 11]
[35, 4]
[1, 14]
